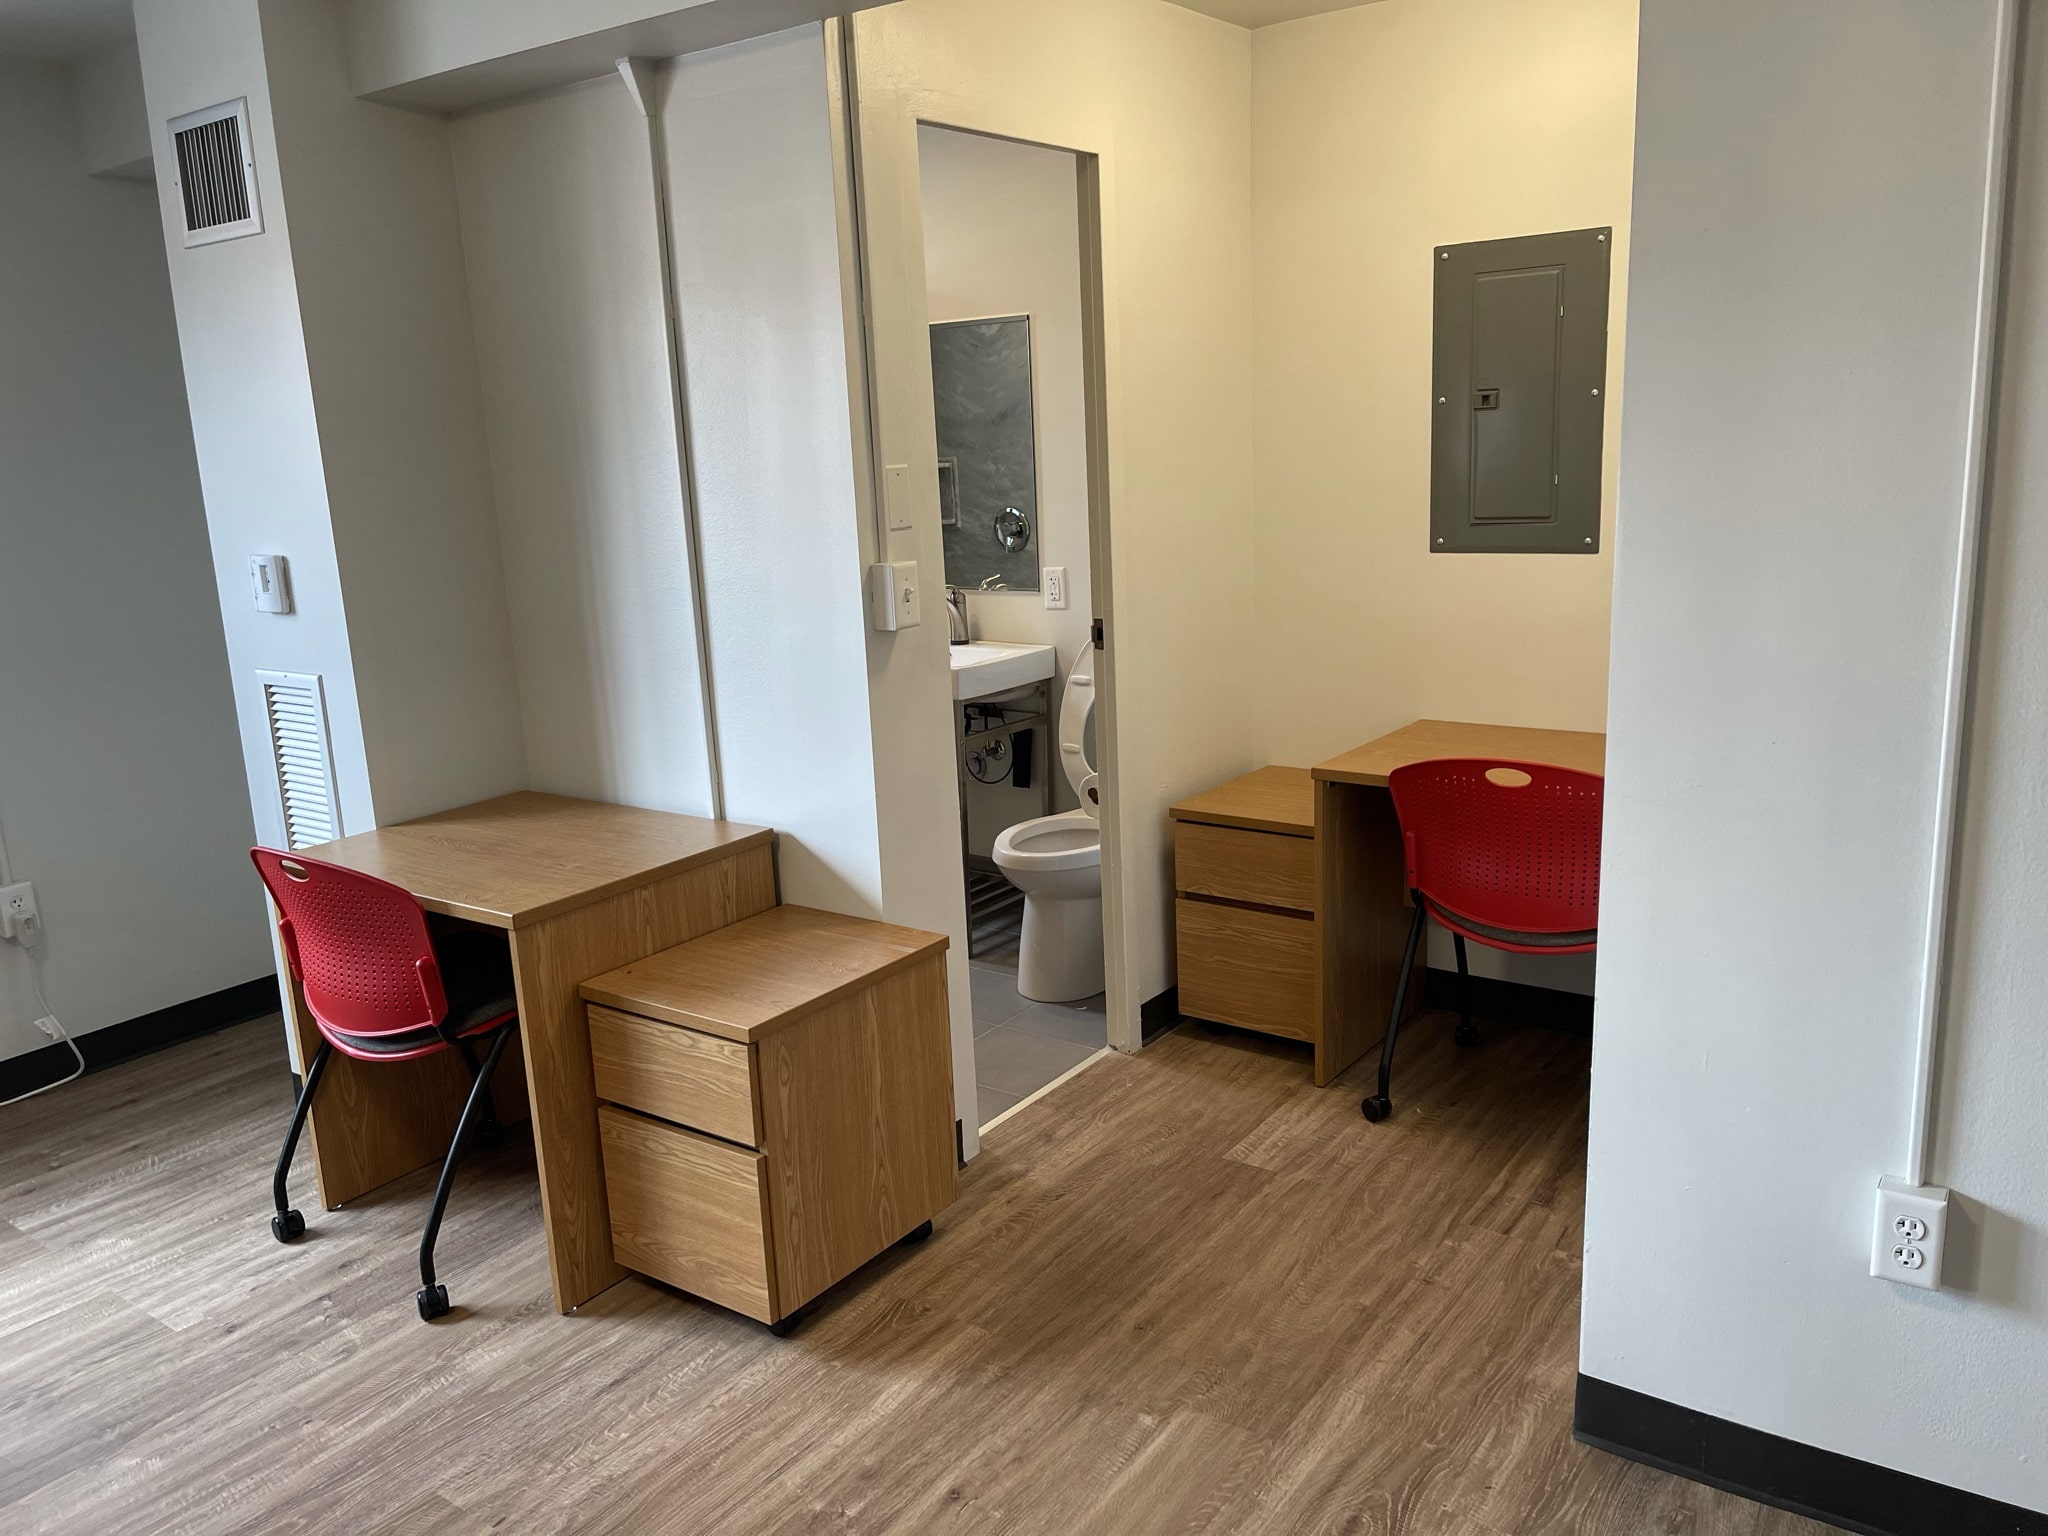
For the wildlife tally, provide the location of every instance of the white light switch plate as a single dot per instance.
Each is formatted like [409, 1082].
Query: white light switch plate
[896, 497]
[1055, 585]
[893, 599]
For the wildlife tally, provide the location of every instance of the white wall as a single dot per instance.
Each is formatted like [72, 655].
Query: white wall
[444, 55]
[1809, 179]
[335, 407]
[1161, 96]
[119, 786]
[1002, 236]
[377, 260]
[1379, 133]
[253, 425]
[565, 282]
[759, 287]
[112, 119]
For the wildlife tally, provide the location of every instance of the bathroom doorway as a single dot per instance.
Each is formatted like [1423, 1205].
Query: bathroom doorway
[1015, 380]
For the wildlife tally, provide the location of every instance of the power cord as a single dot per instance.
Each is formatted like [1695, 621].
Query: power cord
[31, 942]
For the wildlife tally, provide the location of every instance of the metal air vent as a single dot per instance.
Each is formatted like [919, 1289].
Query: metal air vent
[216, 173]
[296, 707]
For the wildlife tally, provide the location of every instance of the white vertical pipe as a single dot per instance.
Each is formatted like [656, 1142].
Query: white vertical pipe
[642, 85]
[1963, 615]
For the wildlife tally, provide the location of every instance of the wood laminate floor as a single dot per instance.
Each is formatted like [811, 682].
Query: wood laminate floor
[1187, 1292]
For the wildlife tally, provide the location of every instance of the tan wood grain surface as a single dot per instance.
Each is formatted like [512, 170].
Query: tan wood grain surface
[1364, 927]
[680, 1074]
[1263, 868]
[764, 974]
[857, 1109]
[1274, 799]
[524, 857]
[690, 1210]
[1184, 1294]
[1424, 739]
[1243, 966]
[550, 959]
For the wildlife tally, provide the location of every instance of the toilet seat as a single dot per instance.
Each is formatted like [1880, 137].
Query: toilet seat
[1070, 840]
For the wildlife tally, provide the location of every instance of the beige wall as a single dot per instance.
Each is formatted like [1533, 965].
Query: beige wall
[1161, 96]
[1378, 133]
[1002, 236]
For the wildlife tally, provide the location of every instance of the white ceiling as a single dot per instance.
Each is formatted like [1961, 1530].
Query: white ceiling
[57, 30]
[1263, 13]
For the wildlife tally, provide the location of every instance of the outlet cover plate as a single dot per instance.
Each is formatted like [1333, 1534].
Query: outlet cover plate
[1909, 1233]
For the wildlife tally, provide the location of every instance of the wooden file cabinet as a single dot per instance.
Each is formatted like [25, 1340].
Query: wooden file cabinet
[1245, 914]
[776, 1104]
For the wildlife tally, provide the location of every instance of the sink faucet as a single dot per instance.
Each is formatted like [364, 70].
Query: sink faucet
[956, 613]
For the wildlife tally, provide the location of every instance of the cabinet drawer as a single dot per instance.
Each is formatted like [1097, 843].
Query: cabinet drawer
[1229, 862]
[689, 1210]
[1256, 970]
[694, 1079]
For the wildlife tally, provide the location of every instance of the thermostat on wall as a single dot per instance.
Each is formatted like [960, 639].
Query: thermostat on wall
[270, 583]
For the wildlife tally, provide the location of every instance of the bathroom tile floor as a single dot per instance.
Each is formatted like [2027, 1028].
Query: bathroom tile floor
[1019, 1045]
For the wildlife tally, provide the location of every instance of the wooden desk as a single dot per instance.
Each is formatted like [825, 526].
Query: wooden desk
[581, 888]
[1362, 895]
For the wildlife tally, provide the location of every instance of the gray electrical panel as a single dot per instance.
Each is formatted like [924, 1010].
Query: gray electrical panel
[1518, 404]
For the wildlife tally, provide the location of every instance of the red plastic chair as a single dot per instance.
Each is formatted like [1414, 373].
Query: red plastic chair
[382, 986]
[1505, 854]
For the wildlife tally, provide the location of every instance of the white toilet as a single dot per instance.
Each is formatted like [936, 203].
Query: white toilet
[1056, 861]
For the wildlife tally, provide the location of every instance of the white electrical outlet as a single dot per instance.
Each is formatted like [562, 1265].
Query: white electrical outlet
[1912, 1221]
[1055, 585]
[20, 919]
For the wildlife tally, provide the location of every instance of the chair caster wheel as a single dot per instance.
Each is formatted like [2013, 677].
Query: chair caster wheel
[918, 1236]
[1376, 1108]
[286, 1225]
[1467, 1034]
[433, 1300]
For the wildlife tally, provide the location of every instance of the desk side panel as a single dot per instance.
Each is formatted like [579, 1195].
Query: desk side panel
[1365, 916]
[551, 959]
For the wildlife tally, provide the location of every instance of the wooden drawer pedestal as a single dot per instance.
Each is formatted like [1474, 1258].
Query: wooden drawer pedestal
[777, 1104]
[1255, 865]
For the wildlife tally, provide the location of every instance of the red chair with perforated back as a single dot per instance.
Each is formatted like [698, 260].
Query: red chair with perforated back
[1505, 854]
[382, 985]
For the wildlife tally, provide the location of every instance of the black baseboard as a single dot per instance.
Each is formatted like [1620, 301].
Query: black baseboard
[1158, 1015]
[141, 1036]
[1513, 1002]
[1823, 1485]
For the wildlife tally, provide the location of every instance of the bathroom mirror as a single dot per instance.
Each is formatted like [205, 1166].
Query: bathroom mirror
[988, 452]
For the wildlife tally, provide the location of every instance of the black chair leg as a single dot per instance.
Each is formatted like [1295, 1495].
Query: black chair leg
[1468, 1032]
[433, 1297]
[1381, 1105]
[288, 1224]
[488, 1132]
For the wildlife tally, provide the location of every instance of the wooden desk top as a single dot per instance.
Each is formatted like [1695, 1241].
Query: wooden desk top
[754, 977]
[1265, 800]
[520, 858]
[1425, 739]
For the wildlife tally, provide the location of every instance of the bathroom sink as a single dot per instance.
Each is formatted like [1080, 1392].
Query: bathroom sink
[983, 667]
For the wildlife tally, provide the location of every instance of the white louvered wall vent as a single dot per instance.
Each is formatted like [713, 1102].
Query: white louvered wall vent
[296, 707]
[216, 173]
